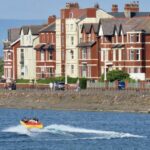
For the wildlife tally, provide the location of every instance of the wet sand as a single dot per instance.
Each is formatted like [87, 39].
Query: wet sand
[86, 100]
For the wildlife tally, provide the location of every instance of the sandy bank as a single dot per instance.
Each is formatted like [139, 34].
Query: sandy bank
[90, 100]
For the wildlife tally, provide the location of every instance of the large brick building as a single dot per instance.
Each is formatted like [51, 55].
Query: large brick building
[83, 42]
[121, 44]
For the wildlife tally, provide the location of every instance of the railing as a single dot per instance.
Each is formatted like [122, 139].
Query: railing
[141, 85]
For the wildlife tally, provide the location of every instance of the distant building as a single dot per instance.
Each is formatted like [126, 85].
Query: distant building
[10, 53]
[26, 55]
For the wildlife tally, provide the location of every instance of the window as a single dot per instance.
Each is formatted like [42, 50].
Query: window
[120, 54]
[72, 54]
[42, 72]
[89, 37]
[22, 58]
[131, 38]
[42, 55]
[50, 55]
[62, 41]
[104, 55]
[137, 70]
[84, 69]
[9, 55]
[134, 37]
[138, 54]
[72, 69]
[51, 72]
[71, 27]
[84, 53]
[62, 55]
[62, 28]
[137, 39]
[114, 55]
[131, 54]
[52, 38]
[72, 40]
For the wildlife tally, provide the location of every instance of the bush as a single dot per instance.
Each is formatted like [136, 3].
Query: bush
[22, 81]
[52, 79]
[83, 83]
[116, 75]
[72, 80]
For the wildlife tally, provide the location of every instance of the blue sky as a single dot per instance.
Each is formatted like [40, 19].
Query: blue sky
[41, 9]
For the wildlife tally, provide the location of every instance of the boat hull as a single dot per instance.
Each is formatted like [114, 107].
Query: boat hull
[31, 125]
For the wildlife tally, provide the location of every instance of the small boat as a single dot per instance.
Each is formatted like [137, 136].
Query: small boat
[31, 123]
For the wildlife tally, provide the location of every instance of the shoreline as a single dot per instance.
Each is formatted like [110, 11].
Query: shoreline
[86, 100]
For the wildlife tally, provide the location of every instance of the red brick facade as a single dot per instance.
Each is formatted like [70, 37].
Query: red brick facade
[10, 61]
[123, 51]
[46, 51]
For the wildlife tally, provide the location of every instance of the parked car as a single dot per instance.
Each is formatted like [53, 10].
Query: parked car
[2, 80]
[59, 86]
[121, 85]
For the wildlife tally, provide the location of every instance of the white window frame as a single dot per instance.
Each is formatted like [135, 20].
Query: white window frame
[72, 69]
[42, 55]
[84, 53]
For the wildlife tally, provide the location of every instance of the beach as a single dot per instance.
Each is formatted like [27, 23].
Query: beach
[84, 100]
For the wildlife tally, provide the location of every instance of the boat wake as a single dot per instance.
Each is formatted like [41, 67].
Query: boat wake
[73, 132]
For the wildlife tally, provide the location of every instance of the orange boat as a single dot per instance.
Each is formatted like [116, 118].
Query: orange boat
[31, 123]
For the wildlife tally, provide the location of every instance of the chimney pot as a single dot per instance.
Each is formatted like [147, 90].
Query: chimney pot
[114, 8]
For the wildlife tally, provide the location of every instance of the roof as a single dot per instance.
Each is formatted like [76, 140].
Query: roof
[34, 29]
[49, 28]
[44, 46]
[88, 26]
[13, 34]
[86, 44]
[6, 44]
[109, 25]
[39, 46]
[135, 14]
[137, 24]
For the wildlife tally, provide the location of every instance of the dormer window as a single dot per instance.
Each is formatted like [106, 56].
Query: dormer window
[134, 37]
[89, 37]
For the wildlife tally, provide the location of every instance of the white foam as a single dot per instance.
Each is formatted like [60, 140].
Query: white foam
[19, 129]
[103, 134]
[69, 130]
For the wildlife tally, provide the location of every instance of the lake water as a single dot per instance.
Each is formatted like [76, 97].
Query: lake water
[70, 130]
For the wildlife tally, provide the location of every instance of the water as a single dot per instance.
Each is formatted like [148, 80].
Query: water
[70, 130]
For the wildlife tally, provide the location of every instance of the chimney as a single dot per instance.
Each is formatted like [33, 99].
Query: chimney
[114, 8]
[131, 9]
[72, 5]
[51, 19]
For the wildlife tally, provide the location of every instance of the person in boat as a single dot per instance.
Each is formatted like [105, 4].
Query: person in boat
[25, 120]
[30, 120]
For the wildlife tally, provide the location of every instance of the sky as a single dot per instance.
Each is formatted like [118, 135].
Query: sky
[41, 9]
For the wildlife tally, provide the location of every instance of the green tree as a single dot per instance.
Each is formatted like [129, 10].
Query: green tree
[116, 75]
